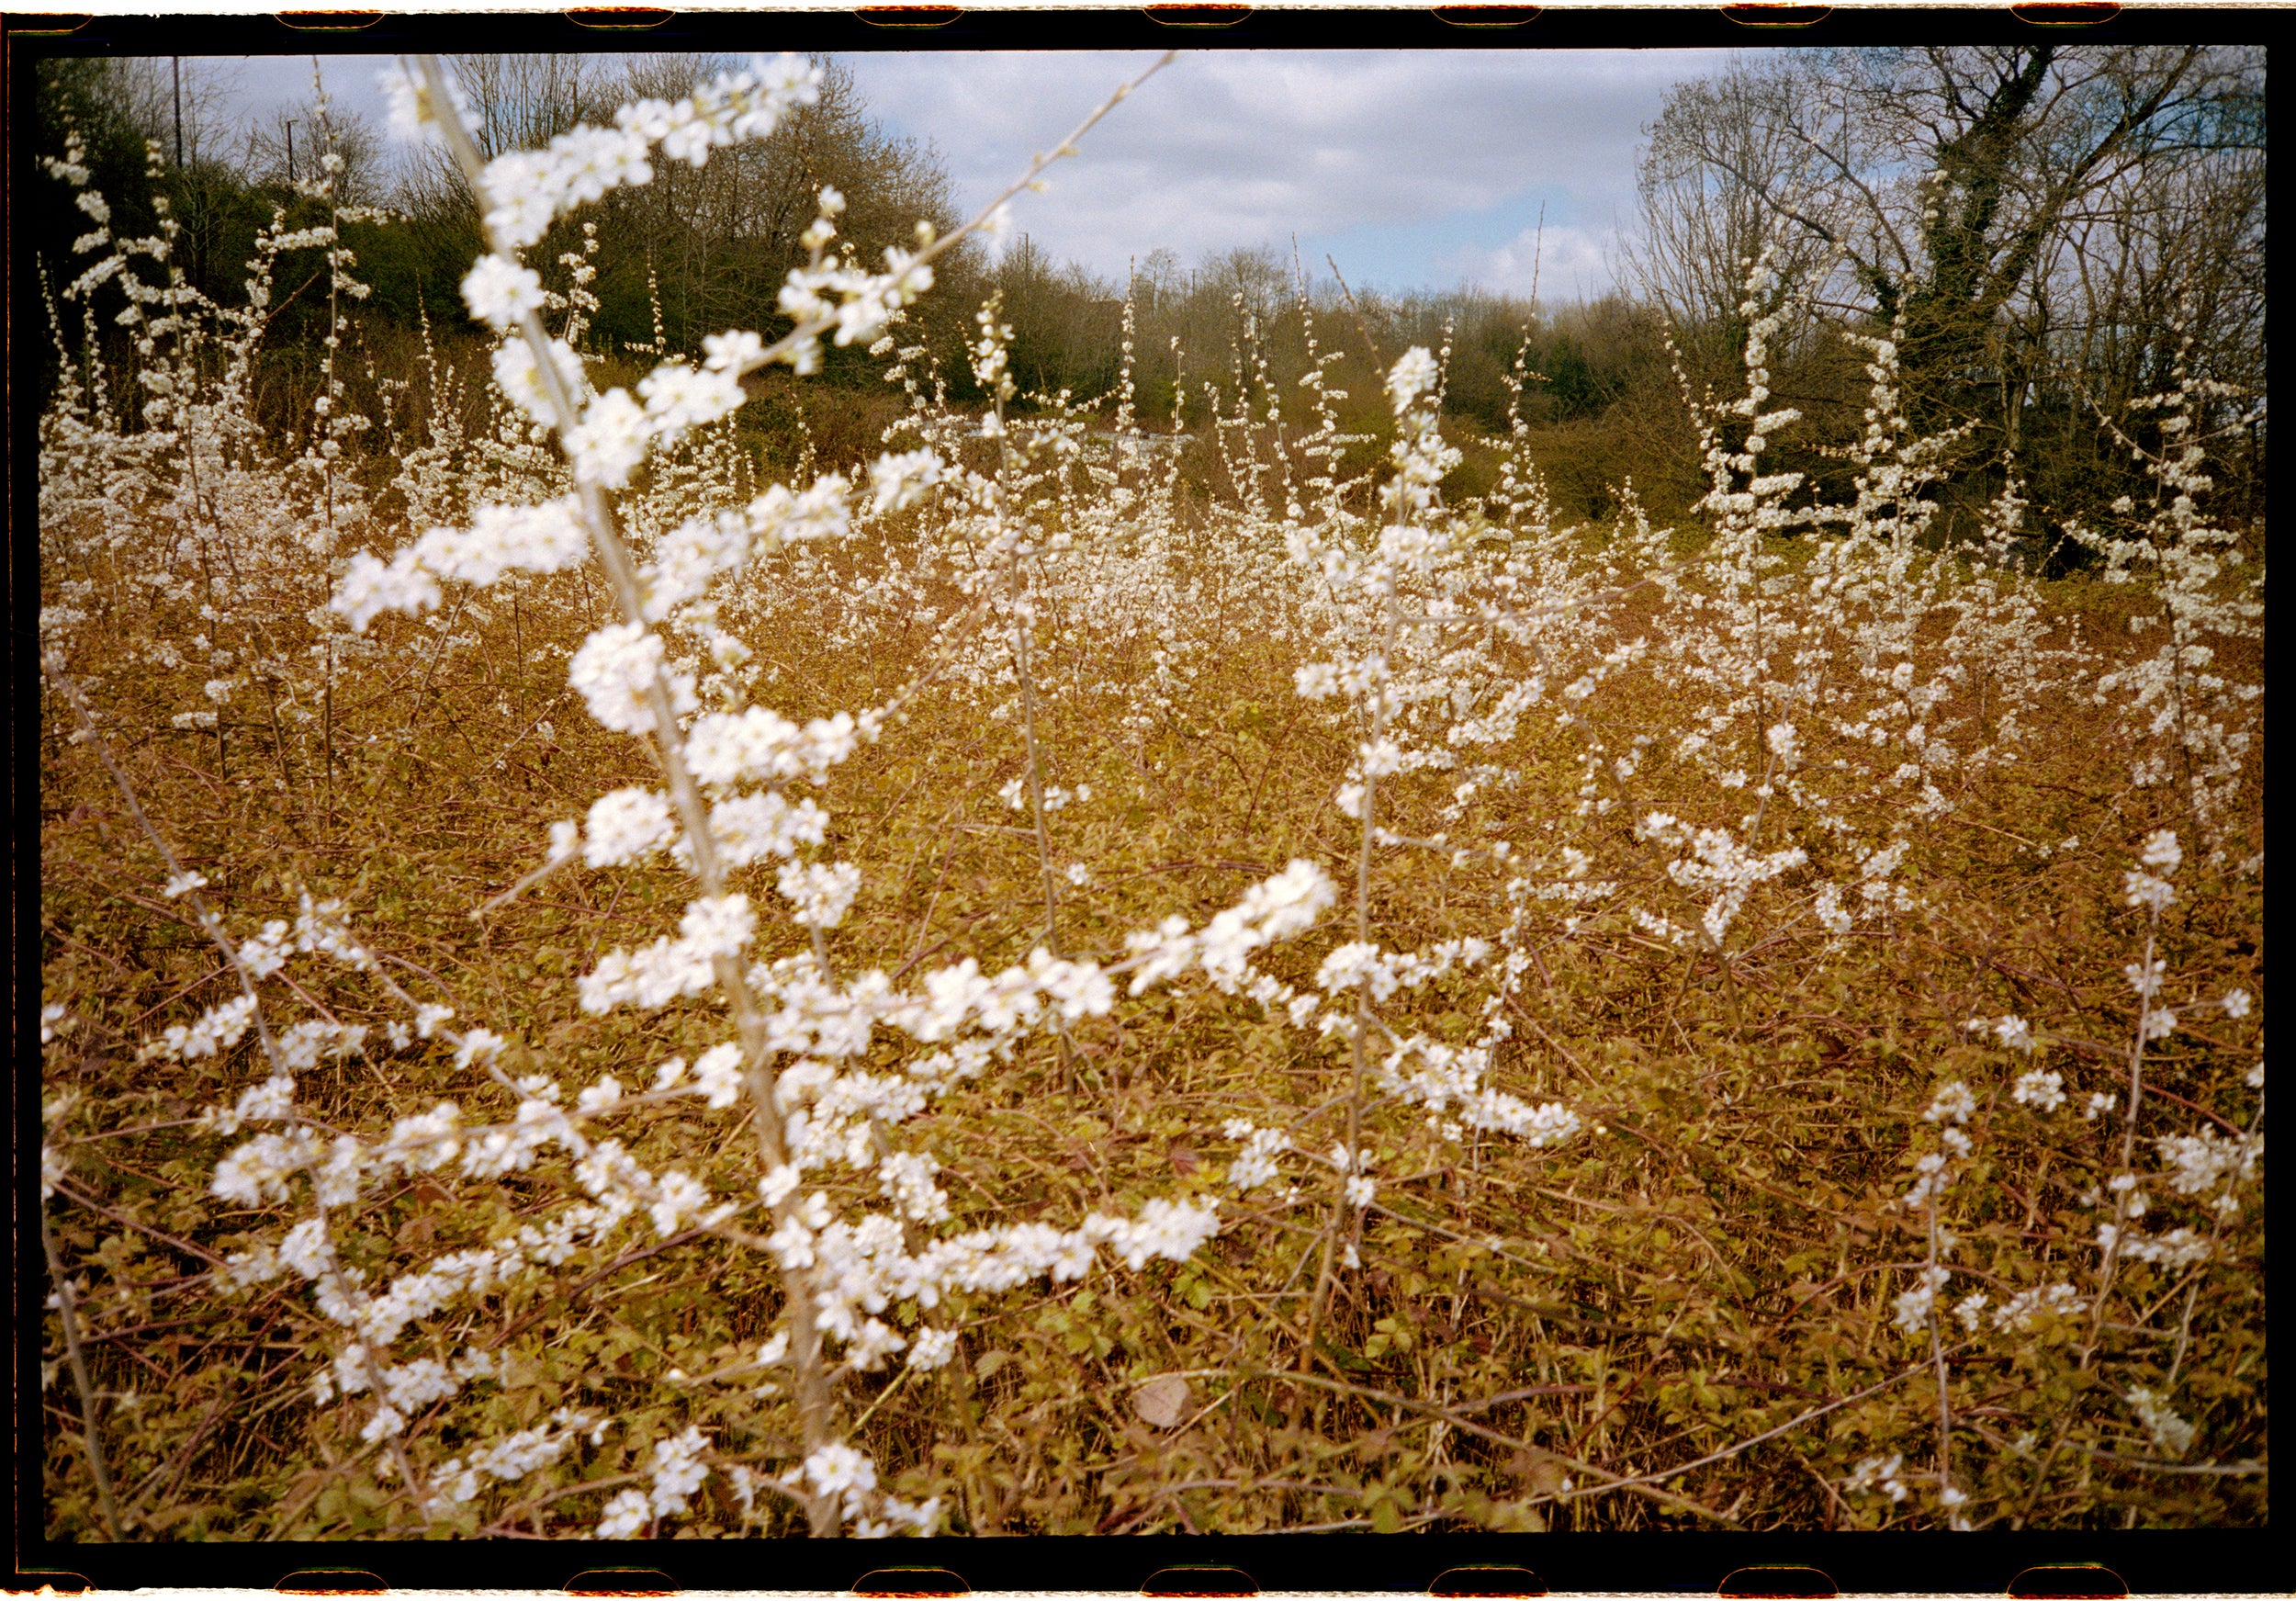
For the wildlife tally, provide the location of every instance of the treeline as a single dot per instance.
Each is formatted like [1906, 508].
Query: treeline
[693, 252]
[2049, 232]
[2052, 232]
[702, 249]
[1237, 332]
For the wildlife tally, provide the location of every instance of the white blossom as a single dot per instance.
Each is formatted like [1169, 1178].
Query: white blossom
[2170, 1432]
[2041, 1089]
[820, 891]
[499, 290]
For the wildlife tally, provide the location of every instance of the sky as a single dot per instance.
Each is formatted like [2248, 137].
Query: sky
[1411, 169]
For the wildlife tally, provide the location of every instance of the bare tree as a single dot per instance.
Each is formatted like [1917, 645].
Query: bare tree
[2027, 213]
[290, 144]
[1720, 158]
[723, 235]
[516, 102]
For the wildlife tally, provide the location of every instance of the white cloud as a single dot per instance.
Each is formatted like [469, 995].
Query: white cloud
[1244, 148]
[1561, 264]
[251, 91]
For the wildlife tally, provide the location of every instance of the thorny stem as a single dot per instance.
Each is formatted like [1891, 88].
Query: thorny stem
[1762, 792]
[53, 666]
[815, 1402]
[1023, 617]
[1370, 345]
[1020, 628]
[1365, 1022]
[334, 299]
[445, 640]
[207, 576]
[372, 1372]
[327, 725]
[816, 1405]
[88, 1433]
[2120, 1214]
[1009, 540]
[1937, 1357]
[214, 928]
[2216, 1231]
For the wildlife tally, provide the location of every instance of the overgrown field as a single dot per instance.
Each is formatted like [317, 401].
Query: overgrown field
[583, 992]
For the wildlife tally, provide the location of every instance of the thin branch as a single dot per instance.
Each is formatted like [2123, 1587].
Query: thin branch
[90, 1438]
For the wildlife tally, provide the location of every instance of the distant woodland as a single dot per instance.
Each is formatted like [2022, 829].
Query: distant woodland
[2051, 230]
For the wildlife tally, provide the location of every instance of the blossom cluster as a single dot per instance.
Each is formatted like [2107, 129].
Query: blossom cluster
[549, 537]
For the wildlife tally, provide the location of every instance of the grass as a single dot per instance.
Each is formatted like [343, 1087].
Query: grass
[1530, 1332]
